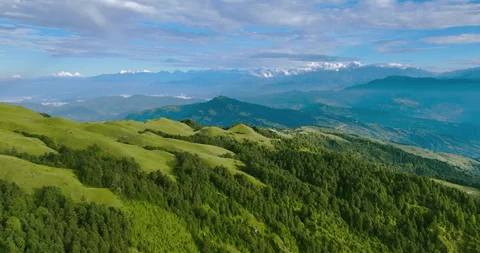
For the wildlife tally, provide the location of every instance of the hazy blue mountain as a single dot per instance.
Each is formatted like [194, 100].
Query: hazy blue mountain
[435, 135]
[224, 111]
[105, 108]
[472, 73]
[410, 84]
[292, 99]
[449, 100]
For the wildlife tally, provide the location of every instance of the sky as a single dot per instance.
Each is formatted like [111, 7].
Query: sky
[92, 37]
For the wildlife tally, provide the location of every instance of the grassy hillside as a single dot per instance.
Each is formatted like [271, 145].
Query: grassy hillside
[455, 160]
[469, 190]
[162, 186]
[240, 132]
[120, 138]
[31, 177]
[21, 130]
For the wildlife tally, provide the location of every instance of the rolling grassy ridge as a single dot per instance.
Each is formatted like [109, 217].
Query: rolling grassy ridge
[122, 139]
[211, 189]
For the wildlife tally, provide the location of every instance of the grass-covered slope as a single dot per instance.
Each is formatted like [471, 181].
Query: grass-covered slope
[121, 138]
[31, 177]
[163, 186]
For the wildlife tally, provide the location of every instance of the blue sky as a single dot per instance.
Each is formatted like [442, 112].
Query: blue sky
[42, 37]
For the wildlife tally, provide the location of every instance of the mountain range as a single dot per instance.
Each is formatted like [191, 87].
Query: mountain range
[207, 83]
[446, 100]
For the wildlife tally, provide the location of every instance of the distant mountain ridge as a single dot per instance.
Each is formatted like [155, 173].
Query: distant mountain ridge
[447, 100]
[435, 135]
[472, 73]
[404, 83]
[225, 112]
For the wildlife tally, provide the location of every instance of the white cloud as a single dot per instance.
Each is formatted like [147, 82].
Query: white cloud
[454, 39]
[183, 96]
[113, 16]
[54, 104]
[105, 28]
[67, 74]
[14, 76]
[130, 5]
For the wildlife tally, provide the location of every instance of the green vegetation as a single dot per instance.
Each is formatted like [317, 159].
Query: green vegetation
[455, 160]
[386, 154]
[469, 190]
[31, 177]
[50, 222]
[157, 230]
[219, 192]
[10, 140]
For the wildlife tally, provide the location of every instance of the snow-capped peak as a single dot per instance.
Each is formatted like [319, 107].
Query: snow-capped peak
[355, 64]
[320, 66]
[126, 72]
[134, 72]
[263, 72]
[313, 66]
[67, 74]
[310, 67]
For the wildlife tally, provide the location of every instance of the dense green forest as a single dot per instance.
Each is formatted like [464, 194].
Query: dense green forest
[314, 196]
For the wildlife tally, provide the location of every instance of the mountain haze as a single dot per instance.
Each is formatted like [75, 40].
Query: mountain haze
[106, 108]
[461, 139]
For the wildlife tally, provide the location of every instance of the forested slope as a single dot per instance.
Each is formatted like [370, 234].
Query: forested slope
[225, 190]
